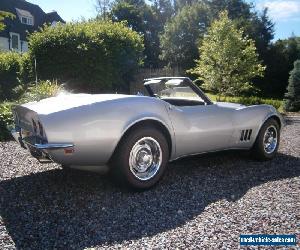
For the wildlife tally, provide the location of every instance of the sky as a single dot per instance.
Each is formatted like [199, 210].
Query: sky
[284, 13]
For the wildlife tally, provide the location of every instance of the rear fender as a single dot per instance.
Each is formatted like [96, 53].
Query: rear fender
[167, 126]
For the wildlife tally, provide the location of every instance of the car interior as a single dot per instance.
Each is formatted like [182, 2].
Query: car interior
[174, 91]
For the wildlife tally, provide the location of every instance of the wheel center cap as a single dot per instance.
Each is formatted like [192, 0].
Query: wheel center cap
[144, 160]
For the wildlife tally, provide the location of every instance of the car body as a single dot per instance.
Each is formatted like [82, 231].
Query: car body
[84, 130]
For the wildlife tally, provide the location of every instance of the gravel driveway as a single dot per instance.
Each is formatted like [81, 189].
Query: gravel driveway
[204, 201]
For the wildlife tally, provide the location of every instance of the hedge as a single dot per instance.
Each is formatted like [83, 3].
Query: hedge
[10, 68]
[249, 100]
[6, 119]
[97, 56]
[15, 71]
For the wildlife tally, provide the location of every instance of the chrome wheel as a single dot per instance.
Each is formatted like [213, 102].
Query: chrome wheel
[145, 158]
[270, 139]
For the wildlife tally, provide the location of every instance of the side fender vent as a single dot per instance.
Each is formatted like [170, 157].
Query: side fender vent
[246, 135]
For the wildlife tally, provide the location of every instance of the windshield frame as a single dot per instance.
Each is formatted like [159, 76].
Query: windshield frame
[186, 80]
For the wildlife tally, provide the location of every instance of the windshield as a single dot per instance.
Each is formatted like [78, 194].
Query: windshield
[172, 88]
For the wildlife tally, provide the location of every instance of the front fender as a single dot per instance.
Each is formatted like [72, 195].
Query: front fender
[252, 117]
[274, 113]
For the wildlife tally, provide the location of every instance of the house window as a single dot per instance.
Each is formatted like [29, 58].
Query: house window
[25, 17]
[27, 20]
[15, 41]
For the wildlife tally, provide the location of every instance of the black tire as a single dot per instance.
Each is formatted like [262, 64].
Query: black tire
[66, 169]
[258, 151]
[120, 166]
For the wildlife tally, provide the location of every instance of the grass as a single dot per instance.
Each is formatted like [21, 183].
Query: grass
[250, 100]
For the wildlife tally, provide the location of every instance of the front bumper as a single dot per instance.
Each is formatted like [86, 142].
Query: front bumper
[38, 147]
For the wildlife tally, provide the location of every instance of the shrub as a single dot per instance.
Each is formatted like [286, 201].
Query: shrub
[292, 101]
[275, 103]
[98, 56]
[27, 71]
[10, 67]
[6, 119]
[254, 100]
[251, 100]
[15, 71]
[40, 91]
[33, 93]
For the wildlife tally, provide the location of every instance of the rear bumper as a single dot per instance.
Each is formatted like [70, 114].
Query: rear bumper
[38, 147]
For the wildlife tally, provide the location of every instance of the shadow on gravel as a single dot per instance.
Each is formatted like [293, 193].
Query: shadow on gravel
[53, 209]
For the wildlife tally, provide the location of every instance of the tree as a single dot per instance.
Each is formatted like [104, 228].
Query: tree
[237, 9]
[190, 22]
[228, 59]
[4, 15]
[163, 11]
[181, 36]
[282, 55]
[292, 101]
[179, 4]
[103, 8]
[140, 17]
[261, 30]
[257, 26]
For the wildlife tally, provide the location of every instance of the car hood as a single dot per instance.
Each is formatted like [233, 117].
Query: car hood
[230, 105]
[68, 101]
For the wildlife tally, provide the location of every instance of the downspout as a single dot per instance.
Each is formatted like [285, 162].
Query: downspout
[8, 34]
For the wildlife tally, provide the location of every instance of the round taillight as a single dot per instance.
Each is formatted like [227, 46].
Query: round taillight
[41, 129]
[34, 126]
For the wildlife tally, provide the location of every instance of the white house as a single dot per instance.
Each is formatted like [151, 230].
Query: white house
[28, 18]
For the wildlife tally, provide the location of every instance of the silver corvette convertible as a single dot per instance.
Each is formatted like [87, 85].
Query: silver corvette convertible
[134, 137]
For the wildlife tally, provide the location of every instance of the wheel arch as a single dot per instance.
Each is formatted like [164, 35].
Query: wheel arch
[277, 119]
[257, 148]
[271, 116]
[147, 122]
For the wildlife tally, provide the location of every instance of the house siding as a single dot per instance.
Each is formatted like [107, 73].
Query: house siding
[5, 46]
[19, 8]
[4, 43]
[24, 46]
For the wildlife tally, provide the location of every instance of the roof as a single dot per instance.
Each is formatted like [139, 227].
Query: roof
[26, 9]
[53, 16]
[23, 12]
